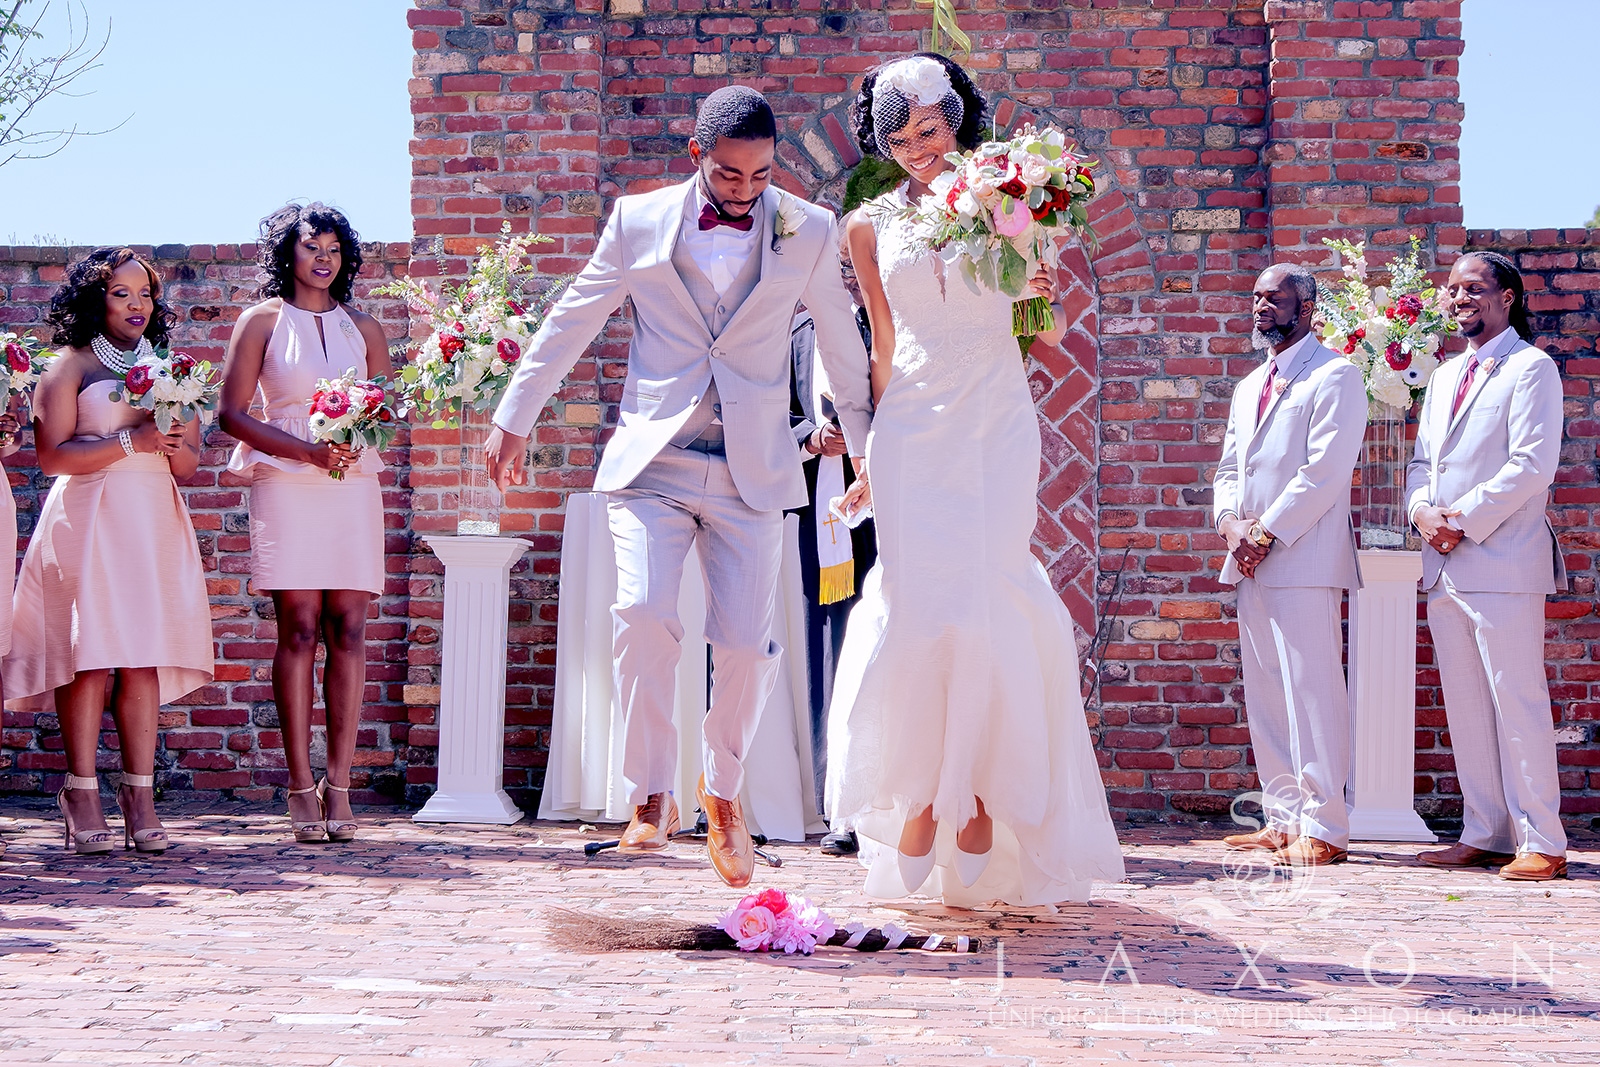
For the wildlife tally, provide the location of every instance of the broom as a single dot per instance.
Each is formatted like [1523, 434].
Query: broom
[580, 931]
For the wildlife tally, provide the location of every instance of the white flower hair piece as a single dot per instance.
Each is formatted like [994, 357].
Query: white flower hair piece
[922, 80]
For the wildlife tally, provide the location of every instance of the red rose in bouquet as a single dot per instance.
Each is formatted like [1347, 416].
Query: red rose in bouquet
[331, 404]
[138, 380]
[1398, 360]
[17, 357]
[509, 350]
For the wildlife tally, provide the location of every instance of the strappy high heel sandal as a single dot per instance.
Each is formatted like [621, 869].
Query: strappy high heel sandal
[314, 830]
[83, 842]
[338, 830]
[153, 839]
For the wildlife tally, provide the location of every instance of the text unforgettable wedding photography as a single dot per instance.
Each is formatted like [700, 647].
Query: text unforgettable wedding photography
[875, 532]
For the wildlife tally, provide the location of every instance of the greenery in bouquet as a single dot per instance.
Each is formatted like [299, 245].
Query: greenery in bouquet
[26, 360]
[1391, 332]
[477, 329]
[1001, 210]
[173, 386]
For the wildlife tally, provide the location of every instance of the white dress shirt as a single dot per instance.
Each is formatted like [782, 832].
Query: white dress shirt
[720, 252]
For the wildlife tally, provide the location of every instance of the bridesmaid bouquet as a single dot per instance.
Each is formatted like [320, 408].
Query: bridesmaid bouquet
[26, 360]
[173, 386]
[477, 330]
[354, 411]
[1000, 212]
[1391, 332]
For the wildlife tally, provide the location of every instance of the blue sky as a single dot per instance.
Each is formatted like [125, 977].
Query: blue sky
[235, 106]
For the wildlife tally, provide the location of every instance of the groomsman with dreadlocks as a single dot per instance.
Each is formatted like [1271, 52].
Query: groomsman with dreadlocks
[1488, 444]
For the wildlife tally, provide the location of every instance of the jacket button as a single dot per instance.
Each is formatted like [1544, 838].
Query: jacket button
[1249, 470]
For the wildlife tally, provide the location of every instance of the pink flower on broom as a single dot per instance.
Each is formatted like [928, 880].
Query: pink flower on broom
[771, 920]
[750, 925]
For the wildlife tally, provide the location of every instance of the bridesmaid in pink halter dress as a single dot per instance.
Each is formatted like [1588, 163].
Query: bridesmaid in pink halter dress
[10, 441]
[316, 543]
[112, 586]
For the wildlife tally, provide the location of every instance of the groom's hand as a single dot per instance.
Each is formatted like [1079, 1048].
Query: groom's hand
[507, 454]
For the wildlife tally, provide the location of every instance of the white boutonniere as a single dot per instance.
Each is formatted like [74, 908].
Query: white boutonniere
[1487, 365]
[788, 218]
[1278, 386]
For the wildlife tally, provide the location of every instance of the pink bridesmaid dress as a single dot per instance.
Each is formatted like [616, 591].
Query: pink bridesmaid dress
[308, 530]
[8, 552]
[112, 576]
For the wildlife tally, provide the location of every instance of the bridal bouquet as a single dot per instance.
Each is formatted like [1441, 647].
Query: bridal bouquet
[478, 330]
[173, 386]
[25, 362]
[1391, 332]
[1000, 212]
[353, 411]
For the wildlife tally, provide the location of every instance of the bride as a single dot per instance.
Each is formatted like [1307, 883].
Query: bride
[959, 753]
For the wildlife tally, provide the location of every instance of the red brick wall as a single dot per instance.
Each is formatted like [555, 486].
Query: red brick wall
[224, 738]
[1231, 133]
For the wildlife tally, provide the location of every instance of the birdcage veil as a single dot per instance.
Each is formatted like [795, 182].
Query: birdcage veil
[908, 84]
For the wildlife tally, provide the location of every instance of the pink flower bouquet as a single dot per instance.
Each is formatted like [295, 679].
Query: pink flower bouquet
[354, 411]
[771, 921]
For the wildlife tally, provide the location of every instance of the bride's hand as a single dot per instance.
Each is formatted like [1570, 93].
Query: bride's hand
[856, 498]
[1043, 283]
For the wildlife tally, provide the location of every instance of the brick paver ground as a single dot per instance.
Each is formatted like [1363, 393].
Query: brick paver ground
[423, 944]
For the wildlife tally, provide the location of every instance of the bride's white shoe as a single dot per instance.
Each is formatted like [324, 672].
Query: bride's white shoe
[914, 870]
[971, 865]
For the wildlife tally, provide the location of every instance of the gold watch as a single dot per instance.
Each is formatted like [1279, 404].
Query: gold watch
[1258, 534]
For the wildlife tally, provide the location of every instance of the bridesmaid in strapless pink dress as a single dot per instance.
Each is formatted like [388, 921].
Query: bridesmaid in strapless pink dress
[316, 543]
[111, 587]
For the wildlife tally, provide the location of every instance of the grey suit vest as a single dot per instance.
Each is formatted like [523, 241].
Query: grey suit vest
[716, 309]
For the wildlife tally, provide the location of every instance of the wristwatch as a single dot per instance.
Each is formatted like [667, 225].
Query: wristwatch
[1258, 534]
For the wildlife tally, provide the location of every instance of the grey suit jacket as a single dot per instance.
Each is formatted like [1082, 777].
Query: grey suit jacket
[673, 357]
[1495, 460]
[1292, 469]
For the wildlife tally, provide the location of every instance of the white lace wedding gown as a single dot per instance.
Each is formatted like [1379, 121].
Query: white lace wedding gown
[959, 675]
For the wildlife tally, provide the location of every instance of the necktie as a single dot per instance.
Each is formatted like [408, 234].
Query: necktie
[1266, 388]
[711, 218]
[1466, 383]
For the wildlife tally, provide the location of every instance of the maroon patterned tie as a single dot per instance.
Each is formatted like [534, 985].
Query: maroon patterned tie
[710, 218]
[1466, 383]
[1266, 389]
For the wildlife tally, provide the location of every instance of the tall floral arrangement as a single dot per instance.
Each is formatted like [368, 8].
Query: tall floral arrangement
[1000, 212]
[1391, 332]
[477, 330]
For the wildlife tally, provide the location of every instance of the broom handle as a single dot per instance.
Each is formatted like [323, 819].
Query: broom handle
[892, 937]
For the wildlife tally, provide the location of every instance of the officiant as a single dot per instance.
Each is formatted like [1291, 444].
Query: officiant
[833, 557]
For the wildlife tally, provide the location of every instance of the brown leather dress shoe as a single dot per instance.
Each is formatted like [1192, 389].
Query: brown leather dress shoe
[733, 854]
[1310, 852]
[1266, 839]
[1459, 855]
[1534, 867]
[653, 822]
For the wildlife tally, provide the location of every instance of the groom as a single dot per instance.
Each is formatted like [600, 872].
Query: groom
[703, 456]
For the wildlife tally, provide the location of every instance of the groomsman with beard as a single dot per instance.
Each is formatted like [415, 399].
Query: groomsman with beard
[1282, 500]
[1488, 444]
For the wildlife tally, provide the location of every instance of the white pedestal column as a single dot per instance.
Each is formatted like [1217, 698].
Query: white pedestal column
[1383, 698]
[472, 701]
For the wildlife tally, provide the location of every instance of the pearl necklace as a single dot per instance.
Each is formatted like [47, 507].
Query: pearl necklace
[115, 360]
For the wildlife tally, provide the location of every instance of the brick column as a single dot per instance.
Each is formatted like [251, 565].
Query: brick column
[1364, 125]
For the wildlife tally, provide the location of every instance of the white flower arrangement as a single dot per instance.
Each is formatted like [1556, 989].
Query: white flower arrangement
[173, 386]
[478, 330]
[1391, 332]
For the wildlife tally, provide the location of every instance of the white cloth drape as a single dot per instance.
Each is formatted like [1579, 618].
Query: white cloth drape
[582, 778]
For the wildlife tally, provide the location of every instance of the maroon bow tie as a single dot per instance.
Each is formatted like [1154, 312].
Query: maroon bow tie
[710, 218]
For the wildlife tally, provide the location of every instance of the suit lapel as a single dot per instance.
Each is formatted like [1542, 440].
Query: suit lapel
[1479, 380]
[1302, 360]
[671, 227]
